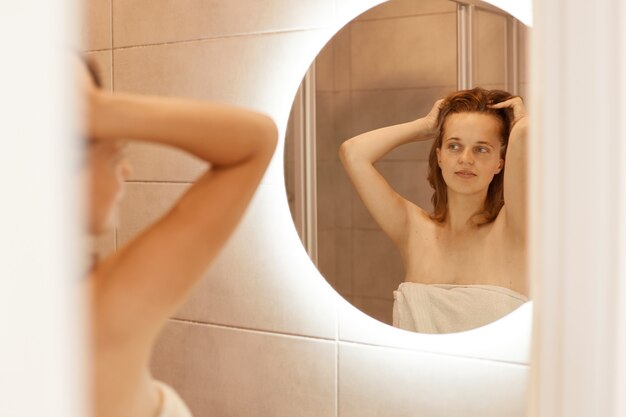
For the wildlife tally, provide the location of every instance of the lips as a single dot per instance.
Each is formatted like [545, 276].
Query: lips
[465, 174]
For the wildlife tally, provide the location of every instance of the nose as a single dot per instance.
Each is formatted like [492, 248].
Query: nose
[466, 157]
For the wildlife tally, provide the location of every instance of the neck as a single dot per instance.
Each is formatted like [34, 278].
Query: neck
[461, 209]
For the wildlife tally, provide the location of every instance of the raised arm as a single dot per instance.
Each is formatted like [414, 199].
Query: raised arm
[140, 286]
[515, 168]
[358, 155]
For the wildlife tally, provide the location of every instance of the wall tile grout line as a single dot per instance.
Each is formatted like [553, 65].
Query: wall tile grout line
[219, 37]
[340, 341]
[159, 182]
[428, 352]
[370, 297]
[253, 330]
[388, 89]
[92, 51]
[407, 16]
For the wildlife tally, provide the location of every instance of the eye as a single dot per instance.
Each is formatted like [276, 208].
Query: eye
[454, 146]
[482, 149]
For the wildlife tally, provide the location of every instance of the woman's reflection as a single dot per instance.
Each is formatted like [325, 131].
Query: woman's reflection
[465, 262]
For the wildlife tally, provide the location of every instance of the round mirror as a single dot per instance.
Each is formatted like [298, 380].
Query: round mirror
[360, 196]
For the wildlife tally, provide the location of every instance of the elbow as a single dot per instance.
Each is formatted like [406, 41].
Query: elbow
[267, 134]
[348, 154]
[345, 151]
[270, 131]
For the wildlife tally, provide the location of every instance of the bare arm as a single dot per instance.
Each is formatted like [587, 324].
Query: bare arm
[139, 287]
[219, 134]
[515, 171]
[358, 156]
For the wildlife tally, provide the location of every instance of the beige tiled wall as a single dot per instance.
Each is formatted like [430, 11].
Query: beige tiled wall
[490, 48]
[247, 373]
[96, 30]
[438, 394]
[259, 335]
[404, 52]
[404, 8]
[144, 22]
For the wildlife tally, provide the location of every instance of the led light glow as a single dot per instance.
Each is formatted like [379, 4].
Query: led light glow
[522, 10]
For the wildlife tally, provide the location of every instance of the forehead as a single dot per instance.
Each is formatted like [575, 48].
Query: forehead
[473, 127]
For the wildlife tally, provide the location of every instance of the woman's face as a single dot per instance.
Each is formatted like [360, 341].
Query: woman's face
[108, 169]
[469, 156]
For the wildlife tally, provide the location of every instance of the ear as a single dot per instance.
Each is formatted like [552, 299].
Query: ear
[438, 150]
[500, 167]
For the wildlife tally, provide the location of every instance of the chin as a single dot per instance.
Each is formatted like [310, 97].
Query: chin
[465, 190]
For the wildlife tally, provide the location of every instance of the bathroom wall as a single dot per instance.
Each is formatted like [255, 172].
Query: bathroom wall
[263, 334]
[490, 52]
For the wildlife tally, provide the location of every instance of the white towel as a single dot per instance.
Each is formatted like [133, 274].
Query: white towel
[171, 403]
[443, 308]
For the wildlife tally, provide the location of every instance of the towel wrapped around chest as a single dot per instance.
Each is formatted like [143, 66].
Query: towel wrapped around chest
[447, 308]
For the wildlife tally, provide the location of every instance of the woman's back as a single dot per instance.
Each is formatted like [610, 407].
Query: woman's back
[134, 291]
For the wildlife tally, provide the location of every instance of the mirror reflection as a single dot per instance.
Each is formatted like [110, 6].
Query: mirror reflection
[416, 210]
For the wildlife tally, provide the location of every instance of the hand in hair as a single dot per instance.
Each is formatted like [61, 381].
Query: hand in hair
[516, 104]
[432, 117]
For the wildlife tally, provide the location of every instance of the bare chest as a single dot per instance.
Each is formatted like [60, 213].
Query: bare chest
[486, 256]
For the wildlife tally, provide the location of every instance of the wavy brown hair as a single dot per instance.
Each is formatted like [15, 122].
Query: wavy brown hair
[475, 100]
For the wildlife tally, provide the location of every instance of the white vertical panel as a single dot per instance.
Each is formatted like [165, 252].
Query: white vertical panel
[512, 56]
[620, 347]
[575, 215]
[465, 55]
[305, 168]
[39, 353]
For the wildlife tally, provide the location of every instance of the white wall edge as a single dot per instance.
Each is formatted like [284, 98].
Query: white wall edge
[578, 217]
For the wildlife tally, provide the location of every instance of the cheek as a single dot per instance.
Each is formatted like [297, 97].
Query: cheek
[497, 164]
[445, 157]
[489, 161]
